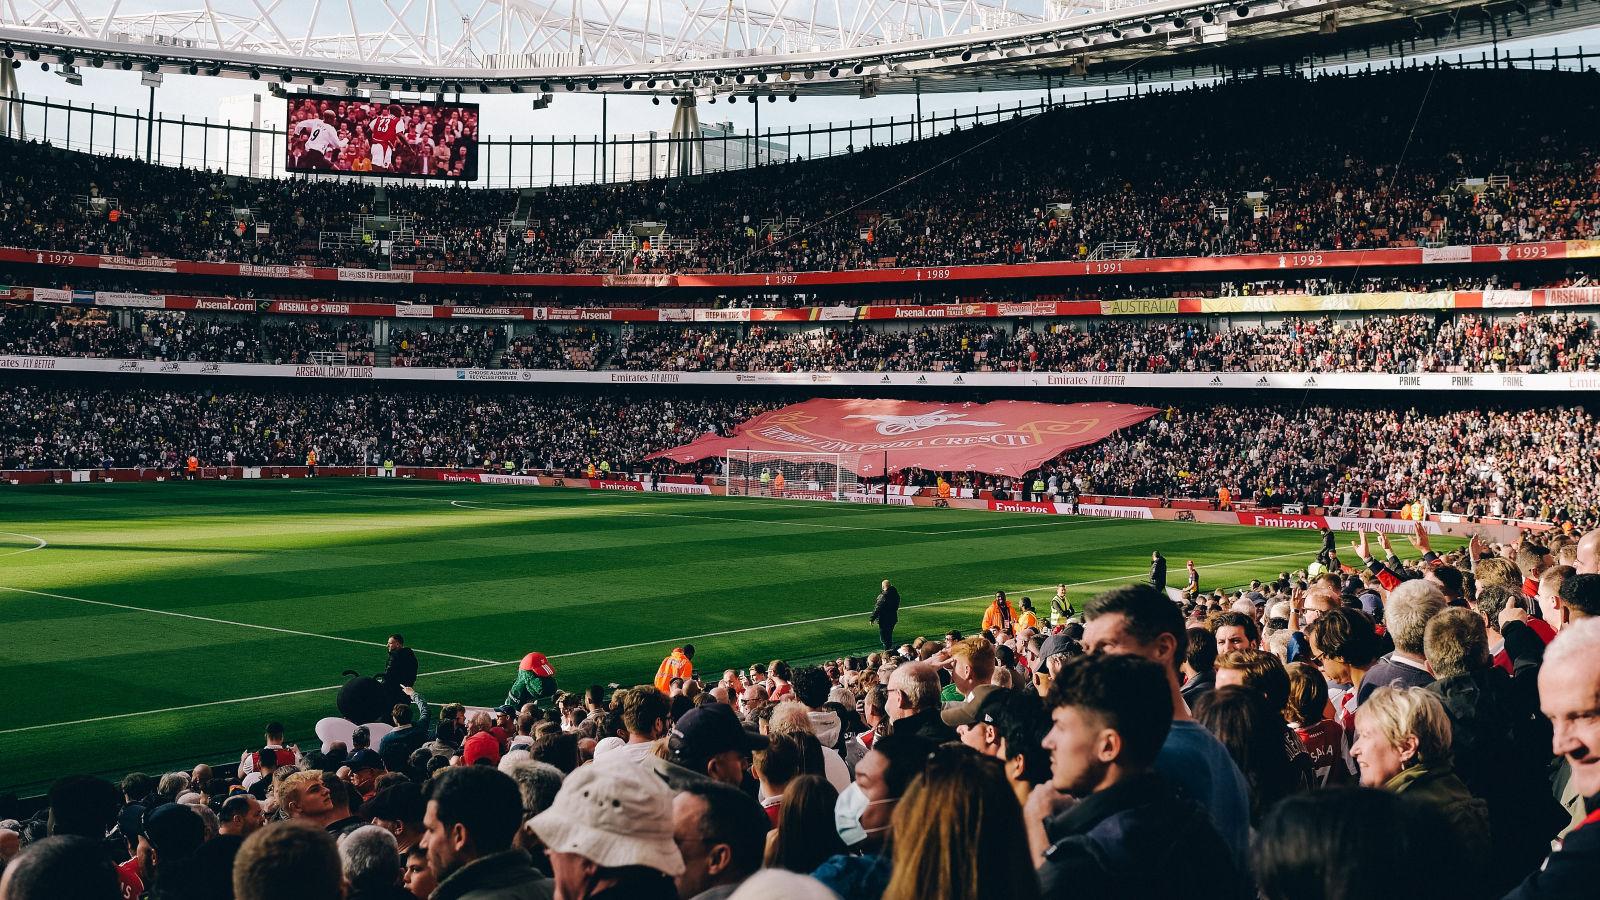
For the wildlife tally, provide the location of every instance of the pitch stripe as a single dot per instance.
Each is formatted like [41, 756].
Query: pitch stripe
[485, 664]
[179, 615]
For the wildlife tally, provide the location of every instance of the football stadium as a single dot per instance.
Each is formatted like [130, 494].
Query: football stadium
[908, 449]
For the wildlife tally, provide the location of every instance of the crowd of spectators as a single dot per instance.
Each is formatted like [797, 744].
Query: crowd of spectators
[1501, 462]
[150, 335]
[1537, 464]
[450, 347]
[1559, 342]
[161, 335]
[579, 347]
[1367, 725]
[1387, 343]
[1272, 178]
[46, 427]
[294, 341]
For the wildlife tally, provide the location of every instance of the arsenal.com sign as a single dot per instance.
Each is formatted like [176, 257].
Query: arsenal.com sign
[1007, 437]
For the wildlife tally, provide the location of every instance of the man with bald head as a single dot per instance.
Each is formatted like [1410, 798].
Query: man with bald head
[886, 612]
[1569, 695]
[752, 702]
[1588, 558]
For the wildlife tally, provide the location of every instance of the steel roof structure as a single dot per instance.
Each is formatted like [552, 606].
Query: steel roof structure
[726, 46]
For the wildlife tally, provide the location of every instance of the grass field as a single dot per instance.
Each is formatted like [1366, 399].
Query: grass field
[146, 627]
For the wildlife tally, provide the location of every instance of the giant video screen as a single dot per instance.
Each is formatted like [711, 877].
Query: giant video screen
[353, 136]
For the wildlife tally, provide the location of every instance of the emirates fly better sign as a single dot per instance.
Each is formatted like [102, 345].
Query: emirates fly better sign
[1006, 437]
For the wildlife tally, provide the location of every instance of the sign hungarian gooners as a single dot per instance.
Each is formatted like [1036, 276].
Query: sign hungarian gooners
[1006, 437]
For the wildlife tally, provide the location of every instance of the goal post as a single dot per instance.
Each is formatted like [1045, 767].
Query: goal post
[792, 475]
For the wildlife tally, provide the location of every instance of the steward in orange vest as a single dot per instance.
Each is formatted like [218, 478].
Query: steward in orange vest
[676, 665]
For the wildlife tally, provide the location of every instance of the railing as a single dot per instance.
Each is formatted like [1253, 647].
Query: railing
[540, 161]
[1116, 250]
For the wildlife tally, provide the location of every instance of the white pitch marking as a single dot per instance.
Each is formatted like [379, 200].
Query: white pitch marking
[151, 712]
[42, 543]
[180, 615]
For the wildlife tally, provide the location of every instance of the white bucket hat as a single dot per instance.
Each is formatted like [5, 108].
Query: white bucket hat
[613, 813]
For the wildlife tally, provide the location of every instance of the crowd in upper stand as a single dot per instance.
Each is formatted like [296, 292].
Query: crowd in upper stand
[1244, 166]
[1390, 342]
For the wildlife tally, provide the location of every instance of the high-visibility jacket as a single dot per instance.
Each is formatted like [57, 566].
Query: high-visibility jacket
[676, 665]
[777, 482]
[194, 463]
[998, 614]
[311, 458]
[1027, 620]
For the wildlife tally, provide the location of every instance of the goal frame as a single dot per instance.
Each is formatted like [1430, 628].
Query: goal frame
[793, 475]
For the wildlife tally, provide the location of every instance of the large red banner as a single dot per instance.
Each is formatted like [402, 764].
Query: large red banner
[1006, 437]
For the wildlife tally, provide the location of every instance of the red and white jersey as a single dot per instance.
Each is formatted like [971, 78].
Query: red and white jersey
[1324, 741]
[387, 128]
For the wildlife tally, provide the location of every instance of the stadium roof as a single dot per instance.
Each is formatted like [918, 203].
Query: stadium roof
[733, 46]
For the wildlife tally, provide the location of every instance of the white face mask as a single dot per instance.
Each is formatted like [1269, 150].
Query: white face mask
[847, 812]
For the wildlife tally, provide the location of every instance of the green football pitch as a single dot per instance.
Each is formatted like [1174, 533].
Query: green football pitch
[145, 627]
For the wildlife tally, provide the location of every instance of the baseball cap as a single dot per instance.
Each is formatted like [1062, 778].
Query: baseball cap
[174, 830]
[131, 820]
[538, 665]
[971, 711]
[508, 709]
[1055, 643]
[401, 803]
[707, 730]
[363, 759]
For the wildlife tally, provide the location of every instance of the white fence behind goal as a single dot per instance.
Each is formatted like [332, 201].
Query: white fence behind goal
[796, 476]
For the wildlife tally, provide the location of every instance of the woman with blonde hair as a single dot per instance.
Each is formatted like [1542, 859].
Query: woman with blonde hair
[959, 835]
[1403, 746]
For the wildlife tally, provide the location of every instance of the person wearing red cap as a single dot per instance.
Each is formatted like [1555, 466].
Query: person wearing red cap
[536, 680]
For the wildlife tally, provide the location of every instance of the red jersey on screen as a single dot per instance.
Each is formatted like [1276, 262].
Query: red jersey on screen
[386, 128]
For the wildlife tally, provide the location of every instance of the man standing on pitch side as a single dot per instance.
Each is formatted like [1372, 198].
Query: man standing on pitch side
[400, 674]
[886, 612]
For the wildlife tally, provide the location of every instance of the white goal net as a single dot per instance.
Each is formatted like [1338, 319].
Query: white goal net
[796, 476]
